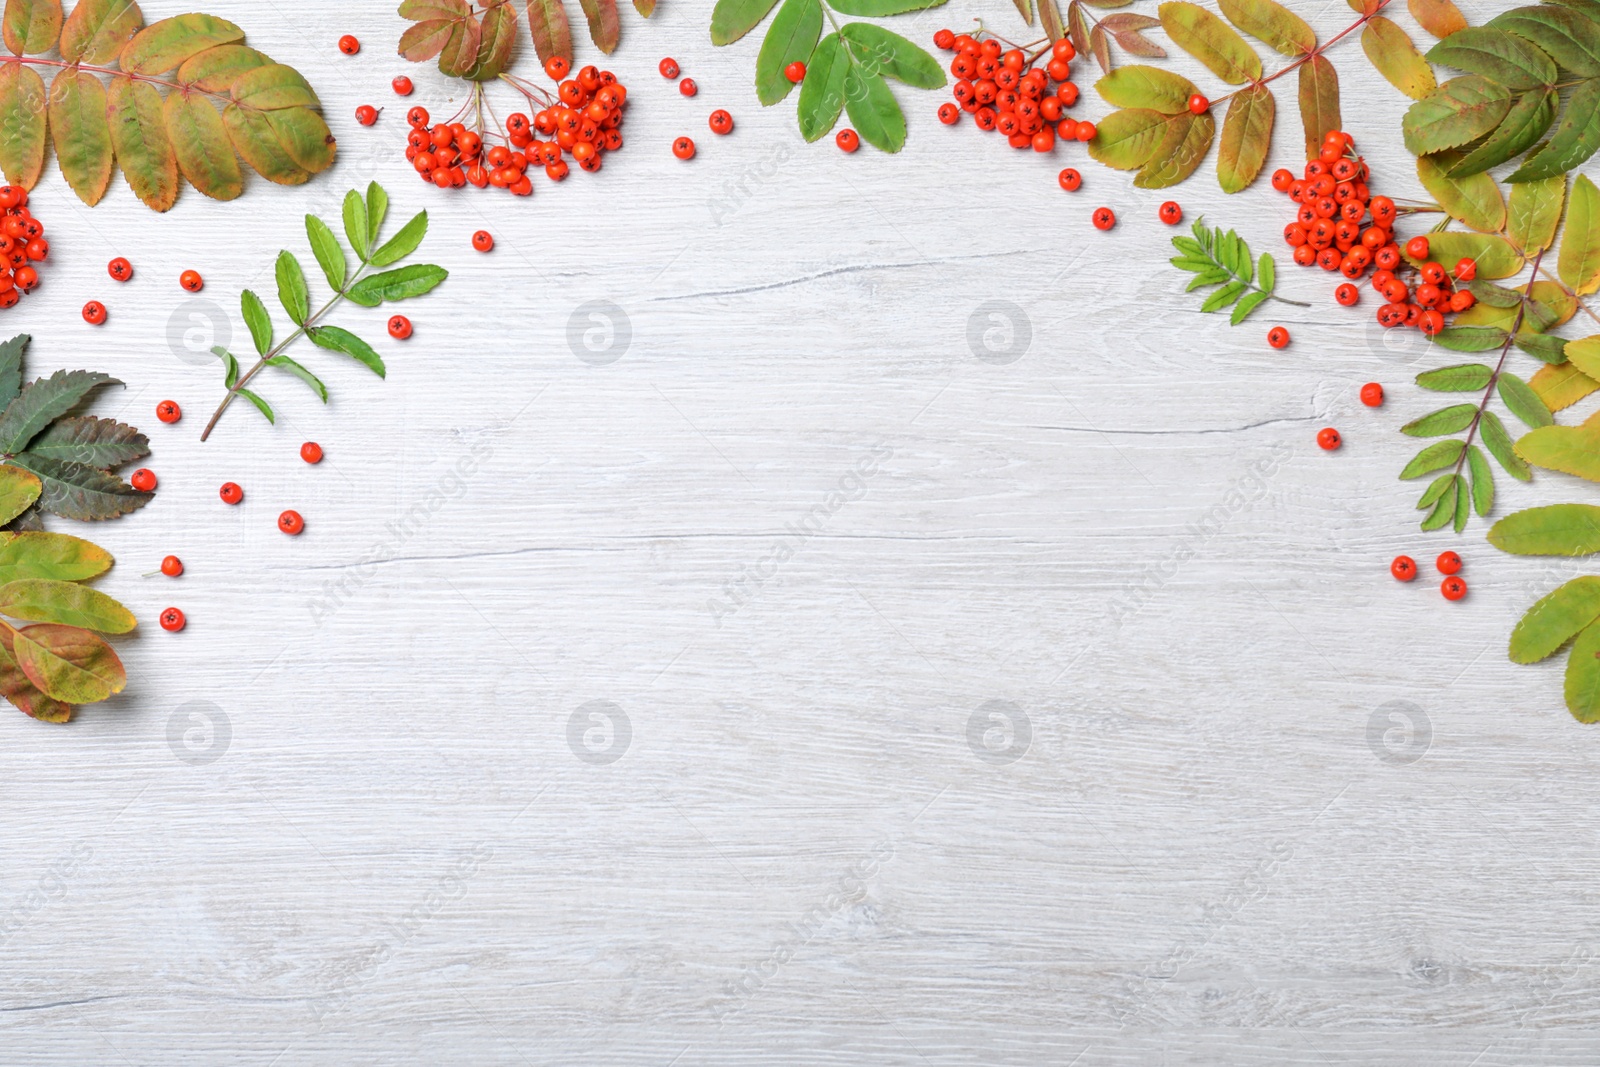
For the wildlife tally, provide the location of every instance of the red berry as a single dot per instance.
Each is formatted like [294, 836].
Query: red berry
[1278, 337]
[1198, 104]
[1448, 563]
[311, 452]
[1085, 131]
[1453, 588]
[38, 249]
[1466, 270]
[349, 45]
[949, 114]
[191, 280]
[291, 523]
[399, 327]
[1104, 218]
[687, 87]
[402, 86]
[1069, 180]
[1417, 248]
[1171, 213]
[169, 411]
[721, 122]
[558, 67]
[1348, 295]
[120, 269]
[1282, 179]
[144, 479]
[683, 148]
[1372, 395]
[172, 566]
[944, 40]
[848, 140]
[1329, 439]
[94, 313]
[795, 72]
[172, 620]
[669, 68]
[366, 114]
[483, 241]
[418, 117]
[1404, 568]
[231, 493]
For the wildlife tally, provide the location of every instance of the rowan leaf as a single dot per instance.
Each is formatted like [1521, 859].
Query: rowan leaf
[336, 339]
[356, 228]
[1437, 456]
[329, 252]
[1476, 201]
[425, 40]
[1435, 490]
[164, 46]
[732, 19]
[377, 202]
[1569, 38]
[822, 91]
[143, 147]
[402, 283]
[1553, 530]
[200, 141]
[1539, 346]
[873, 109]
[1471, 338]
[1555, 619]
[1581, 685]
[31, 26]
[1577, 137]
[1212, 41]
[50, 555]
[1397, 59]
[1481, 480]
[1494, 256]
[1444, 509]
[304, 137]
[260, 404]
[94, 442]
[1498, 442]
[882, 52]
[68, 664]
[791, 38]
[1579, 261]
[1050, 20]
[1534, 213]
[23, 102]
[272, 87]
[1147, 87]
[404, 243]
[11, 353]
[216, 69]
[1439, 17]
[1524, 403]
[645, 7]
[67, 603]
[1127, 139]
[1180, 152]
[1530, 116]
[1461, 110]
[1497, 55]
[1448, 420]
[257, 144]
[497, 40]
[285, 363]
[1101, 48]
[1271, 23]
[79, 491]
[258, 321]
[1571, 450]
[43, 401]
[1563, 385]
[552, 35]
[98, 30]
[292, 293]
[422, 10]
[1249, 303]
[605, 28]
[15, 687]
[1461, 378]
[19, 489]
[82, 133]
[1319, 102]
[880, 8]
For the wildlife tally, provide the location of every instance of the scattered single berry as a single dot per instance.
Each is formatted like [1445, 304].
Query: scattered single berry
[1198, 104]
[144, 480]
[1069, 180]
[1104, 218]
[172, 620]
[169, 411]
[1278, 337]
[1348, 295]
[721, 122]
[231, 493]
[683, 148]
[191, 280]
[558, 67]
[402, 86]
[120, 269]
[687, 87]
[1329, 439]
[483, 241]
[1171, 213]
[1453, 588]
[291, 523]
[1372, 395]
[94, 313]
[172, 566]
[311, 452]
[669, 68]
[366, 114]
[349, 45]
[949, 114]
[795, 72]
[399, 327]
[1404, 568]
[848, 140]
[1448, 563]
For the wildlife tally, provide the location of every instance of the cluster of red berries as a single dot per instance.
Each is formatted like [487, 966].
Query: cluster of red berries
[584, 121]
[1005, 90]
[1404, 568]
[22, 243]
[1340, 226]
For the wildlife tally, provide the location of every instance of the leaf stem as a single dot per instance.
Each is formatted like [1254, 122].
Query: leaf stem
[1499, 368]
[1314, 53]
[61, 64]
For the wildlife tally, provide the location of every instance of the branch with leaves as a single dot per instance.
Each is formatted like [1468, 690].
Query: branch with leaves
[1223, 259]
[223, 102]
[363, 223]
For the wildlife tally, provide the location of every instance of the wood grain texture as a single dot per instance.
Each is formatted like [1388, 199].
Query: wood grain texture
[835, 571]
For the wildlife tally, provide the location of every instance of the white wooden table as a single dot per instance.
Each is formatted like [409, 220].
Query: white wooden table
[764, 688]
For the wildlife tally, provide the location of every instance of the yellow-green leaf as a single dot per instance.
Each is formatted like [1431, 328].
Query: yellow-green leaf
[1397, 59]
[37, 554]
[1246, 137]
[18, 490]
[1582, 684]
[1579, 263]
[1461, 110]
[31, 26]
[305, 136]
[1211, 41]
[1554, 530]
[22, 124]
[1147, 87]
[17, 688]
[1476, 202]
[139, 134]
[67, 603]
[271, 87]
[1271, 22]
[68, 664]
[167, 44]
[201, 143]
[1562, 385]
[257, 144]
[98, 30]
[1555, 620]
[216, 69]
[1126, 140]
[1319, 102]
[1568, 449]
[1494, 255]
[1439, 17]
[1187, 141]
[1584, 355]
[82, 133]
[1534, 213]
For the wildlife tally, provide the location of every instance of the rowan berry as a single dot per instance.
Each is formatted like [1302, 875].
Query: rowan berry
[1059, 69]
[1069, 180]
[944, 40]
[1067, 93]
[1348, 295]
[172, 620]
[1044, 140]
[1063, 49]
[38, 249]
[418, 117]
[949, 114]
[1372, 395]
[1388, 257]
[668, 68]
[1448, 563]
[1104, 218]
[848, 140]
[1282, 179]
[683, 148]
[1085, 131]
[1403, 568]
[1453, 588]
[1430, 322]
[311, 452]
[1433, 273]
[1466, 270]
[1417, 248]
[1428, 294]
[231, 493]
[26, 279]
[558, 67]
[483, 241]
[172, 566]
[1329, 439]
[402, 86]
[366, 114]
[1198, 104]
[144, 479]
[1171, 213]
[687, 87]
[291, 523]
[349, 45]
[120, 269]
[1462, 301]
[191, 280]
[1278, 337]
[169, 411]
[722, 122]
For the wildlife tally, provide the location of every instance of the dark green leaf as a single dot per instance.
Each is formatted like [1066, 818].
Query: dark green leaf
[1461, 110]
[822, 91]
[1471, 338]
[1435, 490]
[1523, 402]
[402, 283]
[261, 405]
[1245, 306]
[101, 443]
[873, 110]
[1482, 481]
[43, 401]
[230, 366]
[330, 254]
[355, 224]
[292, 289]
[11, 367]
[1539, 346]
[1494, 295]
[337, 340]
[1570, 39]
[732, 19]
[791, 38]
[1530, 116]
[1576, 138]
[872, 9]
[893, 56]
[1267, 273]
[300, 372]
[1497, 55]
[79, 491]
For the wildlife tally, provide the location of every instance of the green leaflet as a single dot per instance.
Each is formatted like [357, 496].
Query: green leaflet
[285, 363]
[68, 664]
[200, 142]
[50, 555]
[337, 340]
[292, 292]
[1437, 456]
[873, 109]
[328, 252]
[1461, 378]
[254, 138]
[1555, 619]
[1210, 40]
[880, 8]
[1566, 36]
[257, 319]
[167, 44]
[1147, 87]
[1497, 55]
[822, 91]
[78, 491]
[889, 54]
[101, 443]
[1568, 449]
[1448, 420]
[791, 38]
[1530, 116]
[49, 600]
[732, 19]
[1498, 442]
[400, 284]
[1579, 262]
[1126, 139]
[82, 133]
[1549, 349]
[1180, 152]
[1577, 137]
[1471, 338]
[403, 243]
[1533, 214]
[43, 401]
[1555, 530]
[1582, 684]
[1461, 110]
[11, 367]
[1482, 481]
[1523, 402]
[1445, 508]
[355, 224]
[143, 147]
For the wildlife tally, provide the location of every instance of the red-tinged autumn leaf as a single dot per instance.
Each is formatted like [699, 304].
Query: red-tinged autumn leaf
[139, 134]
[167, 44]
[1101, 47]
[22, 101]
[22, 693]
[1439, 17]
[98, 30]
[82, 133]
[1077, 27]
[605, 28]
[201, 142]
[31, 26]
[1397, 59]
[423, 41]
[1050, 20]
[1246, 137]
[461, 48]
[428, 10]
[1319, 102]
[552, 36]
[499, 37]
[68, 664]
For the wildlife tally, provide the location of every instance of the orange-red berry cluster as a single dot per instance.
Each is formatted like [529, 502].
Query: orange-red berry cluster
[583, 121]
[1007, 90]
[21, 242]
[1340, 226]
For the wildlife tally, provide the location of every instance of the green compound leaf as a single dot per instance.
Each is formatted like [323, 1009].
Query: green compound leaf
[1448, 420]
[791, 38]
